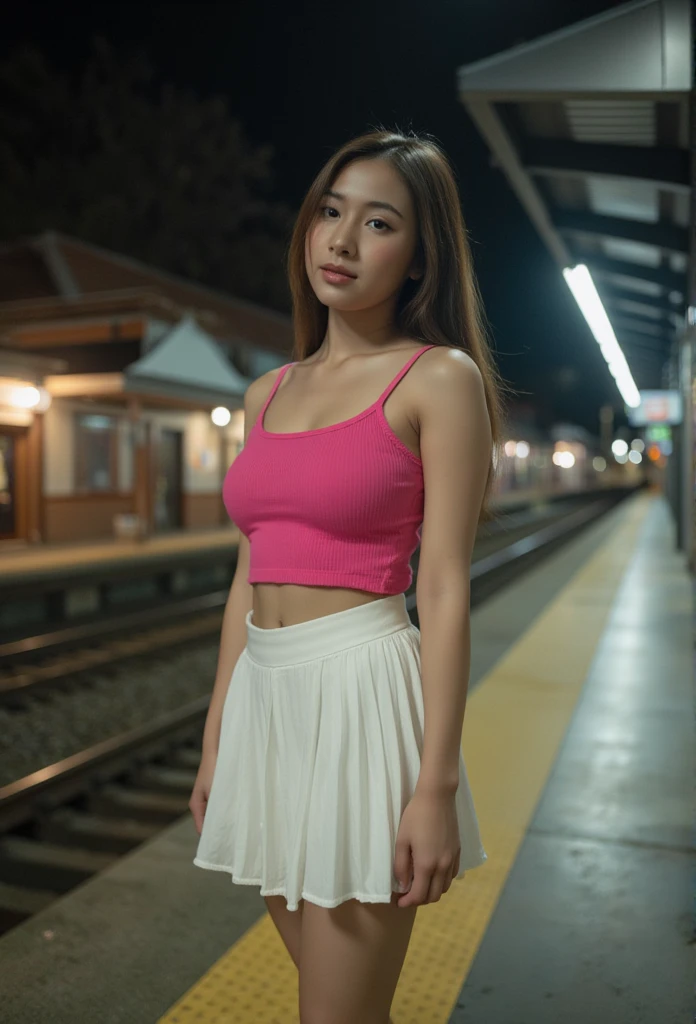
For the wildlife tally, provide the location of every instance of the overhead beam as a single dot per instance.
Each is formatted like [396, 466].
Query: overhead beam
[617, 311]
[643, 327]
[668, 279]
[502, 145]
[646, 363]
[663, 235]
[646, 372]
[666, 166]
[611, 294]
[629, 341]
[669, 323]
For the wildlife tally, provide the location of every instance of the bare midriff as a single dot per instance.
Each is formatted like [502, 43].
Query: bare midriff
[288, 604]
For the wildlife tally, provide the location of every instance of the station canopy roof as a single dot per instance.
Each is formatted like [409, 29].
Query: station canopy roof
[590, 125]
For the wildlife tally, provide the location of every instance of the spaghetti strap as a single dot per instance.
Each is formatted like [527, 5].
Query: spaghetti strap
[404, 369]
[283, 370]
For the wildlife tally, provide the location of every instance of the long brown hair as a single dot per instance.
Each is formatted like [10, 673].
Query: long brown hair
[444, 306]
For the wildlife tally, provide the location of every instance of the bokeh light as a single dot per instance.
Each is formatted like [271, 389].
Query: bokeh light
[564, 459]
[220, 416]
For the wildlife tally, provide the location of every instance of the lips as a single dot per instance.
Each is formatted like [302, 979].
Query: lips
[335, 269]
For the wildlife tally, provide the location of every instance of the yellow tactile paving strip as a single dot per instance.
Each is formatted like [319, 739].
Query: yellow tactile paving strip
[514, 724]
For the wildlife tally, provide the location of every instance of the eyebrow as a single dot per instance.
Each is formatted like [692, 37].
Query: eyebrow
[372, 202]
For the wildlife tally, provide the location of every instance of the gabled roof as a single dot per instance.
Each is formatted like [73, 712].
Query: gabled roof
[590, 125]
[53, 266]
[186, 360]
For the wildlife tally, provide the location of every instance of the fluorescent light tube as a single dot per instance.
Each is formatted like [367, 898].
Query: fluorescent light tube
[582, 286]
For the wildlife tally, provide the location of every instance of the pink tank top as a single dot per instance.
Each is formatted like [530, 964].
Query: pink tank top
[339, 506]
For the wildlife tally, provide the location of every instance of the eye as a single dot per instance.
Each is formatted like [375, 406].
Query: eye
[374, 220]
[377, 220]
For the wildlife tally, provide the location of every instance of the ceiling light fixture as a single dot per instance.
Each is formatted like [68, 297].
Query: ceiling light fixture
[583, 288]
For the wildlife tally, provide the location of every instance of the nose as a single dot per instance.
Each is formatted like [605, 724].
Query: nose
[340, 246]
[342, 241]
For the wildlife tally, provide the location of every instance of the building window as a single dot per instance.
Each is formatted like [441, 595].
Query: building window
[96, 443]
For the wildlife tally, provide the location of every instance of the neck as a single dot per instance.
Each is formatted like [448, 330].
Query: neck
[354, 333]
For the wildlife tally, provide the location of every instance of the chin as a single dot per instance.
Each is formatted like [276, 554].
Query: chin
[334, 301]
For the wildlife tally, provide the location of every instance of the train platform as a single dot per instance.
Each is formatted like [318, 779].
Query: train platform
[58, 560]
[579, 744]
[23, 562]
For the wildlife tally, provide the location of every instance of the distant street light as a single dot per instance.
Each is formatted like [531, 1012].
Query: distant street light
[220, 416]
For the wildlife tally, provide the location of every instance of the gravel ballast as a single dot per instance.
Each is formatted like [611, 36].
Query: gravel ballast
[100, 704]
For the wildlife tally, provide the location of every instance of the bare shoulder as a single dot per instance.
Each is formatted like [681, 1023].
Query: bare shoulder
[447, 378]
[260, 387]
[445, 360]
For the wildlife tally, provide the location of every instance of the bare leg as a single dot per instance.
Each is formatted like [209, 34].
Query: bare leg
[288, 923]
[351, 958]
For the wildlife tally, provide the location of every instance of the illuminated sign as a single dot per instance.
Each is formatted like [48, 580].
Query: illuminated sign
[656, 407]
[658, 432]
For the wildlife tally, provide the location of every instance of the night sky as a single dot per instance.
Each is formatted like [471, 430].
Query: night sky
[306, 77]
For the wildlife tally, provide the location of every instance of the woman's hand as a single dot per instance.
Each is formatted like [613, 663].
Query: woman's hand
[427, 848]
[201, 789]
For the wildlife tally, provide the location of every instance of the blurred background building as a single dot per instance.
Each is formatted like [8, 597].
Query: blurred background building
[111, 372]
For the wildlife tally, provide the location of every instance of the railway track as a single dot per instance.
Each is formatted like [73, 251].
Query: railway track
[36, 663]
[63, 824]
[72, 819]
[32, 665]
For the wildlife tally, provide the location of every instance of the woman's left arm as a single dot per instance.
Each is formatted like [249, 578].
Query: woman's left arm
[455, 444]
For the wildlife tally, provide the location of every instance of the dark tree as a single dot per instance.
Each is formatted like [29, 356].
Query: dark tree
[149, 170]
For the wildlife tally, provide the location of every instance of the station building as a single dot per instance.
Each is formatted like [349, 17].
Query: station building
[109, 373]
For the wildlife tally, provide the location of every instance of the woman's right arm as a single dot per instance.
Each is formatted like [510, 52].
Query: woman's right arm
[233, 636]
[232, 642]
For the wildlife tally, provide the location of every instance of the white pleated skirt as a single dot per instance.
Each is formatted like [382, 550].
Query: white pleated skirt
[320, 744]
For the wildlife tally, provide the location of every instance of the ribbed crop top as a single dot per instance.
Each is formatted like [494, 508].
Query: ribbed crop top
[339, 506]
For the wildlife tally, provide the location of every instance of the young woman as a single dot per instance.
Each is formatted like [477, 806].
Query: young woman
[332, 774]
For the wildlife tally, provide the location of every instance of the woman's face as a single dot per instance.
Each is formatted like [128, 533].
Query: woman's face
[366, 224]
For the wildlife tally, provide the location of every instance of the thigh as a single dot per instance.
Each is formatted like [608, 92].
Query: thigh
[351, 958]
[288, 923]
